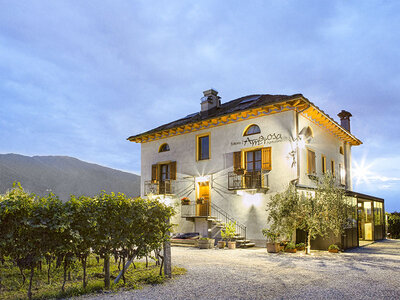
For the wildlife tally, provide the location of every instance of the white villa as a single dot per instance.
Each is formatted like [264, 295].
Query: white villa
[225, 161]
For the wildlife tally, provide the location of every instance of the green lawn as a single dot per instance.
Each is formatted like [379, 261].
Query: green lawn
[12, 286]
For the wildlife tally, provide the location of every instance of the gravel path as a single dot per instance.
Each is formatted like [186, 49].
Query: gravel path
[370, 272]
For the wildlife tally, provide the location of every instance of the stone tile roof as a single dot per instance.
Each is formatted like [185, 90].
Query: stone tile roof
[233, 106]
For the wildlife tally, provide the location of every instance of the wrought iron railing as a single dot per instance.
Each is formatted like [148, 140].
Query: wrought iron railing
[248, 180]
[158, 187]
[206, 209]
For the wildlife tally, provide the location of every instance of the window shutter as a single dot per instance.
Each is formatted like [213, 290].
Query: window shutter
[310, 162]
[172, 170]
[313, 162]
[237, 160]
[266, 158]
[154, 172]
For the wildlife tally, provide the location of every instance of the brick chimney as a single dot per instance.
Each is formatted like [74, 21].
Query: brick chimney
[210, 100]
[345, 119]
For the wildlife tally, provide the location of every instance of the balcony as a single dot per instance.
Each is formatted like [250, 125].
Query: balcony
[159, 187]
[248, 180]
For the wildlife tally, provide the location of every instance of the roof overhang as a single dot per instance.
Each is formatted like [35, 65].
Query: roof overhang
[299, 104]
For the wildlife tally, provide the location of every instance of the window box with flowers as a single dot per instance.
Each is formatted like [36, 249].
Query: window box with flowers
[185, 201]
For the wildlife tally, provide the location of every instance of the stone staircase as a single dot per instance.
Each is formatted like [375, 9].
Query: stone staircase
[215, 228]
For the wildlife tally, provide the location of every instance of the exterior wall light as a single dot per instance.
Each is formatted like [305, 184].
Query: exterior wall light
[202, 178]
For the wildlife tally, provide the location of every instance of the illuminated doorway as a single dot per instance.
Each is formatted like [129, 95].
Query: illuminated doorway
[203, 203]
[365, 221]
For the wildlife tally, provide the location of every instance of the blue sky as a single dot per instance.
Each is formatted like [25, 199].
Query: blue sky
[78, 77]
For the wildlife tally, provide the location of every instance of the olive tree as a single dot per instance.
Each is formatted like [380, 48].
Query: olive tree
[319, 211]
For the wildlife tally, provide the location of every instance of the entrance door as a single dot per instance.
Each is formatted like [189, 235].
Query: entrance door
[203, 207]
[365, 230]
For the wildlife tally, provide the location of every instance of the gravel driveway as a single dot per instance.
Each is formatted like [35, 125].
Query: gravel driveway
[369, 272]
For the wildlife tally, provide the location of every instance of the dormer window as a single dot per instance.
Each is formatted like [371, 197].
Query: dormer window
[163, 148]
[252, 129]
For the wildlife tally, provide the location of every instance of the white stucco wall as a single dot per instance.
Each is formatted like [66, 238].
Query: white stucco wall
[322, 143]
[247, 209]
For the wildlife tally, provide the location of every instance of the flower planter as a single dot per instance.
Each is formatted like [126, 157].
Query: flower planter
[221, 244]
[300, 248]
[206, 244]
[334, 250]
[239, 171]
[273, 247]
[231, 245]
[291, 250]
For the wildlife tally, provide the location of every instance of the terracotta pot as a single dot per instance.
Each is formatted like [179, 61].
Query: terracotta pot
[221, 244]
[333, 250]
[231, 245]
[291, 250]
[273, 247]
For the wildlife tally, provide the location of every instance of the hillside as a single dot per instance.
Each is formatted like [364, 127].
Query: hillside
[64, 175]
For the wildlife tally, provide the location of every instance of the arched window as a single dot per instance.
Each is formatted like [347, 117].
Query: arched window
[163, 148]
[252, 129]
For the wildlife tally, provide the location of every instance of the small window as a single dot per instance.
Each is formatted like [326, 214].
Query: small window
[323, 164]
[310, 162]
[203, 147]
[341, 150]
[333, 167]
[252, 129]
[163, 148]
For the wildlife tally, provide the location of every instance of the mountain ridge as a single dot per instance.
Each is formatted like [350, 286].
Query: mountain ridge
[64, 175]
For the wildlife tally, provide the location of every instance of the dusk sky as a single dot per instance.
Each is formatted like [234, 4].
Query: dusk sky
[78, 77]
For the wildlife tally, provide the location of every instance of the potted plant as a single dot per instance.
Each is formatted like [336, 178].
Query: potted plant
[272, 240]
[206, 243]
[290, 247]
[229, 233]
[333, 248]
[221, 244]
[300, 246]
[185, 201]
[200, 201]
[239, 171]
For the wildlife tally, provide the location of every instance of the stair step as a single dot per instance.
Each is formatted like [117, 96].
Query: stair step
[243, 241]
[247, 245]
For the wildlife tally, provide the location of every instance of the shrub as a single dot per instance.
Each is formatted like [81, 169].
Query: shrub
[393, 222]
[300, 246]
[333, 247]
[271, 235]
[290, 245]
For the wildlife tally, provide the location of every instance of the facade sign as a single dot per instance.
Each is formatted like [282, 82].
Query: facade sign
[261, 140]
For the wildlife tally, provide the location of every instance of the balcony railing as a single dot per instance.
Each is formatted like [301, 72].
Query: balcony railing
[248, 180]
[159, 187]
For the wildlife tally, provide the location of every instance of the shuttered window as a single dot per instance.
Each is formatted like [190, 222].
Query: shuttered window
[173, 170]
[310, 162]
[255, 160]
[237, 160]
[154, 169]
[266, 158]
[163, 172]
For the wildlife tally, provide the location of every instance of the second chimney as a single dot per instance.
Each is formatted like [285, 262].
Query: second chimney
[345, 119]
